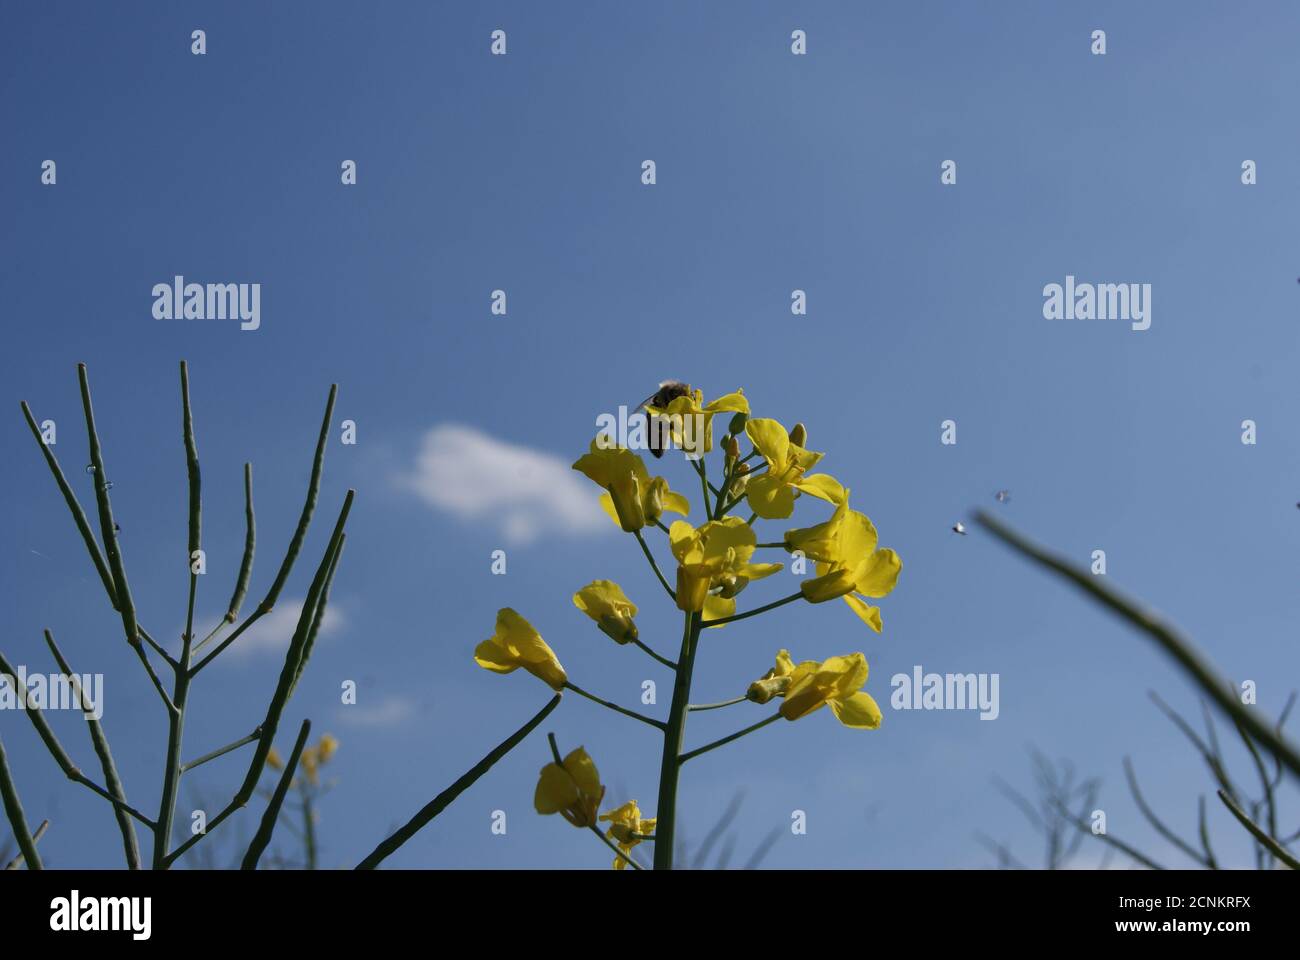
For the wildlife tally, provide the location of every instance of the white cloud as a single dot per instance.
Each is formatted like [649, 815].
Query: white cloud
[523, 492]
[272, 633]
[388, 712]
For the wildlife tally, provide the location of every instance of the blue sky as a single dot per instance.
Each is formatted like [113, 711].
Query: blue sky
[775, 173]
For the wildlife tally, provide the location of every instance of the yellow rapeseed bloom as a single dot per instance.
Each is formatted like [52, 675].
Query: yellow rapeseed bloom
[604, 602]
[716, 555]
[516, 644]
[771, 494]
[570, 788]
[632, 498]
[624, 822]
[688, 416]
[836, 682]
[848, 562]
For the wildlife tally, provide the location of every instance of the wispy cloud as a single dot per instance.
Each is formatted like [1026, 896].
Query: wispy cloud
[391, 711]
[522, 492]
[272, 633]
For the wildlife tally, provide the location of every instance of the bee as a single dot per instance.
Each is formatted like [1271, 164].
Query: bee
[669, 390]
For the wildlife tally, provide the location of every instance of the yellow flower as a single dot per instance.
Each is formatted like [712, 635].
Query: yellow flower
[836, 682]
[848, 562]
[604, 602]
[632, 498]
[327, 746]
[624, 823]
[771, 494]
[571, 788]
[689, 416]
[715, 556]
[516, 644]
[775, 682]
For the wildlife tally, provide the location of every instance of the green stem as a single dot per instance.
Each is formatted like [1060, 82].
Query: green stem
[1191, 660]
[714, 706]
[704, 486]
[755, 612]
[14, 811]
[181, 690]
[654, 566]
[112, 782]
[664, 660]
[613, 706]
[674, 731]
[19, 860]
[735, 736]
[222, 751]
[272, 812]
[444, 799]
[617, 852]
[1271, 845]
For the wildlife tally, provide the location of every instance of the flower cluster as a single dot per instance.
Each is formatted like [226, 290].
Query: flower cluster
[716, 560]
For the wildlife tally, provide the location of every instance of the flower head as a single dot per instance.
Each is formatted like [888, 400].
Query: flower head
[849, 563]
[604, 602]
[712, 557]
[690, 419]
[516, 644]
[632, 498]
[771, 494]
[836, 682]
[570, 788]
[626, 829]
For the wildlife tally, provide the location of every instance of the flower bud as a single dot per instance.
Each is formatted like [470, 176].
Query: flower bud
[627, 503]
[692, 586]
[737, 424]
[653, 503]
[732, 446]
[835, 584]
[799, 435]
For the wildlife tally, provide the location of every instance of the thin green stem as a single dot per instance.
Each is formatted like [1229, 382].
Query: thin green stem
[19, 860]
[272, 812]
[1166, 636]
[613, 706]
[70, 770]
[617, 852]
[755, 612]
[221, 751]
[14, 811]
[735, 736]
[664, 660]
[112, 782]
[181, 689]
[696, 707]
[704, 486]
[107, 526]
[1271, 845]
[444, 799]
[654, 566]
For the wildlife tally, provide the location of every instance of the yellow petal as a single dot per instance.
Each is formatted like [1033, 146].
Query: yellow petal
[770, 497]
[823, 486]
[582, 769]
[556, 790]
[869, 614]
[836, 583]
[676, 503]
[715, 608]
[771, 440]
[858, 711]
[878, 574]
